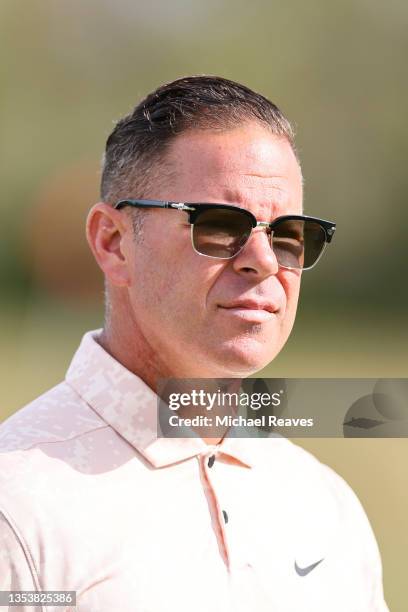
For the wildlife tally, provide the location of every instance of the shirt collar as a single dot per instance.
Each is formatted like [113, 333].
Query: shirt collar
[129, 406]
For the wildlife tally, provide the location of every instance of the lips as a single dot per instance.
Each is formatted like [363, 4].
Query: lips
[249, 304]
[249, 311]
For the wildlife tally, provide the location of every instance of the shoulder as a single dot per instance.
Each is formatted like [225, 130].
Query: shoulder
[321, 493]
[46, 449]
[324, 478]
[57, 415]
[42, 442]
[303, 476]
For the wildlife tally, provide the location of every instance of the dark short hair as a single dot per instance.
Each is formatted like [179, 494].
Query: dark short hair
[137, 146]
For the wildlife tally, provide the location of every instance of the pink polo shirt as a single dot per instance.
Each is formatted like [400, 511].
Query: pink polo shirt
[92, 501]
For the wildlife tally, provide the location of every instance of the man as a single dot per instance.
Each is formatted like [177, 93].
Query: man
[202, 241]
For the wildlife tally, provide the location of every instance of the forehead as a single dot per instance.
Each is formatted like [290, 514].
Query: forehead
[248, 166]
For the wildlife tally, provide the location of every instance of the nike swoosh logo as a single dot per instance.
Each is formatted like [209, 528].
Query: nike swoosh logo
[304, 571]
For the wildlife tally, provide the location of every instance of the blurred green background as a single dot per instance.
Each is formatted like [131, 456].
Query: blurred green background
[338, 69]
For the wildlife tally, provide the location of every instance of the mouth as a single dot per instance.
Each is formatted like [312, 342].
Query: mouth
[251, 310]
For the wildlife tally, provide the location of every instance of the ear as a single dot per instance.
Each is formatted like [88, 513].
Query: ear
[106, 231]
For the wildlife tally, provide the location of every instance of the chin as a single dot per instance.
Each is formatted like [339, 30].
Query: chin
[245, 359]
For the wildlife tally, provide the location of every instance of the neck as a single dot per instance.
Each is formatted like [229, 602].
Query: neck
[132, 350]
[123, 338]
[128, 355]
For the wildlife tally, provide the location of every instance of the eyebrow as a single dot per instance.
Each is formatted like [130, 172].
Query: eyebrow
[274, 204]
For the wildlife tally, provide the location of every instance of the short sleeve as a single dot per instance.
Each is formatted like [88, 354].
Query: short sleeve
[358, 536]
[15, 570]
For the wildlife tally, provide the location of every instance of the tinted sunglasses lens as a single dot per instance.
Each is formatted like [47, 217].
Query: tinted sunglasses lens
[298, 243]
[220, 232]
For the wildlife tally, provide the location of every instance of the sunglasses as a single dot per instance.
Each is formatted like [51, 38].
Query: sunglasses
[221, 231]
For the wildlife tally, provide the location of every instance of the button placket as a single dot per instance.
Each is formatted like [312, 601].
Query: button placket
[210, 462]
[229, 481]
[219, 515]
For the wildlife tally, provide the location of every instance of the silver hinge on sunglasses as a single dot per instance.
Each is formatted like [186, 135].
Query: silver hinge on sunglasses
[180, 206]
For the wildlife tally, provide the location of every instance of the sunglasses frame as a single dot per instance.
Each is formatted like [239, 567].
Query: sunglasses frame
[194, 209]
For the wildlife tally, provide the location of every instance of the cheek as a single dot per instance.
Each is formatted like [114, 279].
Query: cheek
[290, 281]
[170, 278]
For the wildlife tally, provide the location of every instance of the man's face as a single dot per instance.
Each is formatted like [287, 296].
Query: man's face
[207, 317]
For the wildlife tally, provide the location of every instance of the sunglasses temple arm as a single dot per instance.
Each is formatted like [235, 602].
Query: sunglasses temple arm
[153, 204]
[142, 204]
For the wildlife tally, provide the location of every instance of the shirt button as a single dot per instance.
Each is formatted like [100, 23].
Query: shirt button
[225, 516]
[211, 461]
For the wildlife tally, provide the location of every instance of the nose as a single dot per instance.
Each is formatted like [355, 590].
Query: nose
[257, 257]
